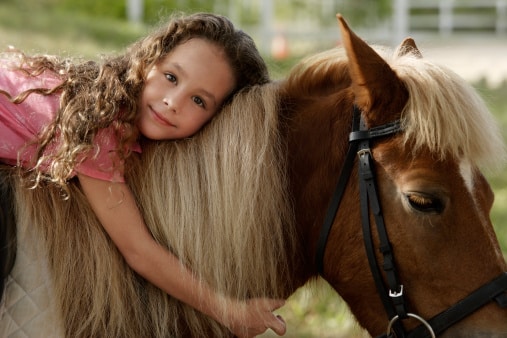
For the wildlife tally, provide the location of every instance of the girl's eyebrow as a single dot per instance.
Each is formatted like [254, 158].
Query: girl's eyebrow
[202, 91]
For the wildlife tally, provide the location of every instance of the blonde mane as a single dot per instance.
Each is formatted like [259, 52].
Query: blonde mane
[217, 200]
[444, 113]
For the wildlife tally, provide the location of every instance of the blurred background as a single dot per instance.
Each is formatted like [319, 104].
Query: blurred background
[469, 36]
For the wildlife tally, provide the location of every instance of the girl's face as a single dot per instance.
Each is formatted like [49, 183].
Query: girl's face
[184, 90]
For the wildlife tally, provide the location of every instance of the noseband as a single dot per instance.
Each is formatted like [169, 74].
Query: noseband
[393, 294]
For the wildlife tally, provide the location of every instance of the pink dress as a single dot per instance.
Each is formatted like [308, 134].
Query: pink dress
[21, 123]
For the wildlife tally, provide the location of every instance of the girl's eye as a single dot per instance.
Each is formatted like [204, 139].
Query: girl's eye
[170, 77]
[197, 100]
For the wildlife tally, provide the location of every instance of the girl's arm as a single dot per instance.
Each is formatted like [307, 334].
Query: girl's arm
[117, 211]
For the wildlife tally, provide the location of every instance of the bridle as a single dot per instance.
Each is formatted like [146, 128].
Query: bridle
[393, 294]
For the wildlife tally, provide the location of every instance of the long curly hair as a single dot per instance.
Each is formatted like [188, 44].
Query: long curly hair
[97, 95]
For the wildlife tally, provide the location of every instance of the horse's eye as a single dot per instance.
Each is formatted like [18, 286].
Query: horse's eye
[425, 203]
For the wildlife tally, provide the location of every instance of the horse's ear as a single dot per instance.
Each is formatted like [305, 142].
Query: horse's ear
[408, 46]
[374, 83]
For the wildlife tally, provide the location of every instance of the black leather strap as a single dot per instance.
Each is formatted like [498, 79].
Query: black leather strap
[392, 299]
[356, 136]
[485, 294]
[375, 132]
[337, 196]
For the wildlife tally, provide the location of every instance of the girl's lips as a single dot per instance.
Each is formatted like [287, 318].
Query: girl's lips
[160, 119]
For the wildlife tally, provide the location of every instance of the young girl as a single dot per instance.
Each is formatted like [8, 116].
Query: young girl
[60, 119]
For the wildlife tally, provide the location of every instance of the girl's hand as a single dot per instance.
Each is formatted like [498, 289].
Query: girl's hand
[255, 316]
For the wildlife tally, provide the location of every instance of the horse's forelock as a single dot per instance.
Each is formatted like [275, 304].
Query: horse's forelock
[445, 114]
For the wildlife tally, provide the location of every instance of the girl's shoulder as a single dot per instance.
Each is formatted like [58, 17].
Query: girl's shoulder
[36, 110]
[15, 81]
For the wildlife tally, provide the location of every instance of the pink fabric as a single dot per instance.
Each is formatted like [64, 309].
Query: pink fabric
[21, 123]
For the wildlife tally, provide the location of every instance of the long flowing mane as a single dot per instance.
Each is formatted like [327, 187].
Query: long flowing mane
[217, 200]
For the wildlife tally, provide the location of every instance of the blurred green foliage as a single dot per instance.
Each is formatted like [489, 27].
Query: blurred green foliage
[358, 11]
[496, 99]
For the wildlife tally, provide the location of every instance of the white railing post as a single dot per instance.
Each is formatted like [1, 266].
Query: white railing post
[267, 24]
[445, 12]
[135, 9]
[501, 16]
[400, 21]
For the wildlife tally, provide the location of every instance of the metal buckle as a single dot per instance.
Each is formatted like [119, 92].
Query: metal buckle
[394, 294]
[362, 152]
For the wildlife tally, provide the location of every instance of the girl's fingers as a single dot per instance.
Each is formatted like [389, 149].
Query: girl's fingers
[278, 325]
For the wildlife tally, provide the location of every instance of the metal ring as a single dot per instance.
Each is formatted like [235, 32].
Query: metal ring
[419, 318]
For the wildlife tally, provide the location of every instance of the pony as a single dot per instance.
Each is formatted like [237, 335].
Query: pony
[250, 205]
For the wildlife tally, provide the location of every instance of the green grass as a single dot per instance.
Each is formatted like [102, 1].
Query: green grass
[314, 311]
[33, 28]
[497, 102]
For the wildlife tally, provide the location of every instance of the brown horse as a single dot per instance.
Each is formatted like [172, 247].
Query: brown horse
[434, 200]
[245, 205]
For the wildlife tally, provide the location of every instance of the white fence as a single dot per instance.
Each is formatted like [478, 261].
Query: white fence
[435, 18]
[449, 16]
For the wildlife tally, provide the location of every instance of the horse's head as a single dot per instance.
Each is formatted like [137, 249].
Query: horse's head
[434, 200]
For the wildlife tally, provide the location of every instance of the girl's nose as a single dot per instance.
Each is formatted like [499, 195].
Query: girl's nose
[169, 103]
[172, 102]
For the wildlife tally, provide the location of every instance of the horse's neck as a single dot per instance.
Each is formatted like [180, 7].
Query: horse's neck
[317, 135]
